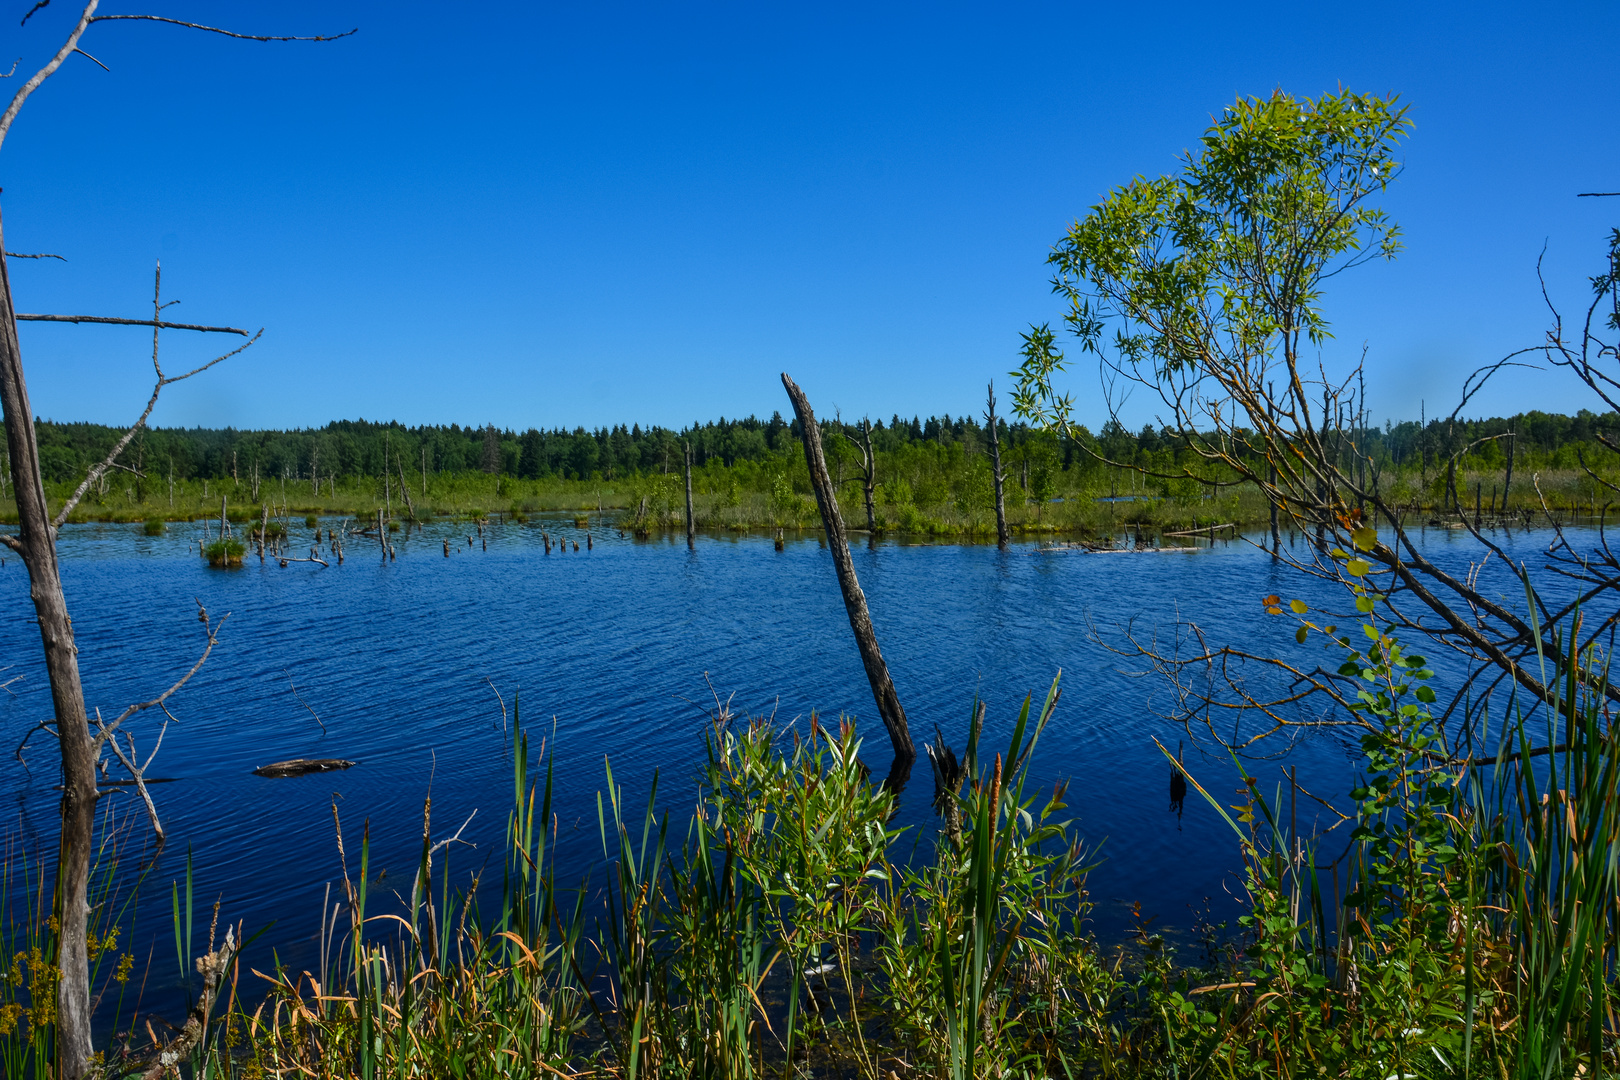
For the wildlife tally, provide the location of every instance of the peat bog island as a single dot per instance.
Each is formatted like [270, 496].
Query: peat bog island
[1150, 649]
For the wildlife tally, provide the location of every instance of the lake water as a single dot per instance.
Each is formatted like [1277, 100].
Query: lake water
[616, 648]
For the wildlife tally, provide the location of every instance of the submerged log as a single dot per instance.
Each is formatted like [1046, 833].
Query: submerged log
[302, 767]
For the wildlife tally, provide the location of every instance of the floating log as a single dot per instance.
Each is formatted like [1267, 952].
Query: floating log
[1201, 531]
[302, 767]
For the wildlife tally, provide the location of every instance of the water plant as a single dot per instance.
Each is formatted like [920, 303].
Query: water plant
[226, 551]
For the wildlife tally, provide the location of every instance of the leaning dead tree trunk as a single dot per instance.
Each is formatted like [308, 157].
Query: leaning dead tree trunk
[36, 543]
[860, 621]
[996, 474]
[691, 523]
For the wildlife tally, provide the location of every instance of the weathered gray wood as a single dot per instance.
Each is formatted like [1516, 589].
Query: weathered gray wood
[868, 472]
[302, 767]
[691, 524]
[36, 543]
[1002, 536]
[860, 620]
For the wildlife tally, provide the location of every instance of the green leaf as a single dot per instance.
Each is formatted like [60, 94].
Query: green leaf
[1300, 634]
[1357, 567]
[1299, 607]
[1364, 538]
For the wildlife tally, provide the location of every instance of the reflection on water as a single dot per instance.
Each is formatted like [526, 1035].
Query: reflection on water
[617, 651]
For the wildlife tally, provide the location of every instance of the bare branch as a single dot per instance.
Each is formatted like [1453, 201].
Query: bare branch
[456, 839]
[137, 772]
[94, 61]
[213, 629]
[118, 448]
[40, 255]
[217, 30]
[301, 700]
[48, 70]
[131, 322]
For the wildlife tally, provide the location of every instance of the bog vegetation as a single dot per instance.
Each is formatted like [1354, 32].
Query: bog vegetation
[1463, 920]
[786, 929]
[932, 477]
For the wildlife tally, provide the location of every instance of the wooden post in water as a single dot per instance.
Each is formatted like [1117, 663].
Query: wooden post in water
[382, 535]
[860, 620]
[691, 527]
[1002, 535]
[1507, 481]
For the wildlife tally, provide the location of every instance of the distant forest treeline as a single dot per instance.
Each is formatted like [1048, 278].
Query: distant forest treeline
[348, 448]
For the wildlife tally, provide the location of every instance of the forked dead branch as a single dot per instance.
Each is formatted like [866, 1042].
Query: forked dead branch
[80, 746]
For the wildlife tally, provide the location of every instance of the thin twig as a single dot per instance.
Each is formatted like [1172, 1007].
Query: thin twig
[24, 317]
[49, 69]
[93, 60]
[217, 30]
[301, 700]
[213, 638]
[106, 463]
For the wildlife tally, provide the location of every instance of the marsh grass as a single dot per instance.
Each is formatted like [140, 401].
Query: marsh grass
[224, 552]
[785, 927]
[28, 944]
[921, 499]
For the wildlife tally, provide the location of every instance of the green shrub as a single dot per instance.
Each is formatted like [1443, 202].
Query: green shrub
[311, 521]
[225, 552]
[155, 526]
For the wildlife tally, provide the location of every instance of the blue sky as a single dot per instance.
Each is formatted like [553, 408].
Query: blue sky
[541, 214]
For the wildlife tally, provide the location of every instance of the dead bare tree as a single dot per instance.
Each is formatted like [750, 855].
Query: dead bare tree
[860, 620]
[36, 542]
[868, 467]
[1002, 536]
[691, 522]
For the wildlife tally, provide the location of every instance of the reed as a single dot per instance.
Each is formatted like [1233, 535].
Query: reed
[789, 929]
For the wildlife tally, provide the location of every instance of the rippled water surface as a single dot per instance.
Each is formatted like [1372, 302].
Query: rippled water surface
[616, 648]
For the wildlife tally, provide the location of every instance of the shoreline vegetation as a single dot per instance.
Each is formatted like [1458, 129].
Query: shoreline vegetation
[785, 930]
[930, 478]
[768, 919]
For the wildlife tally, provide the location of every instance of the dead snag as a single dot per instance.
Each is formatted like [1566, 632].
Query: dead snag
[860, 621]
[691, 526]
[995, 471]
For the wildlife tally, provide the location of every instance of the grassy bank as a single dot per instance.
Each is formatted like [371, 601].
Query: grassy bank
[925, 501]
